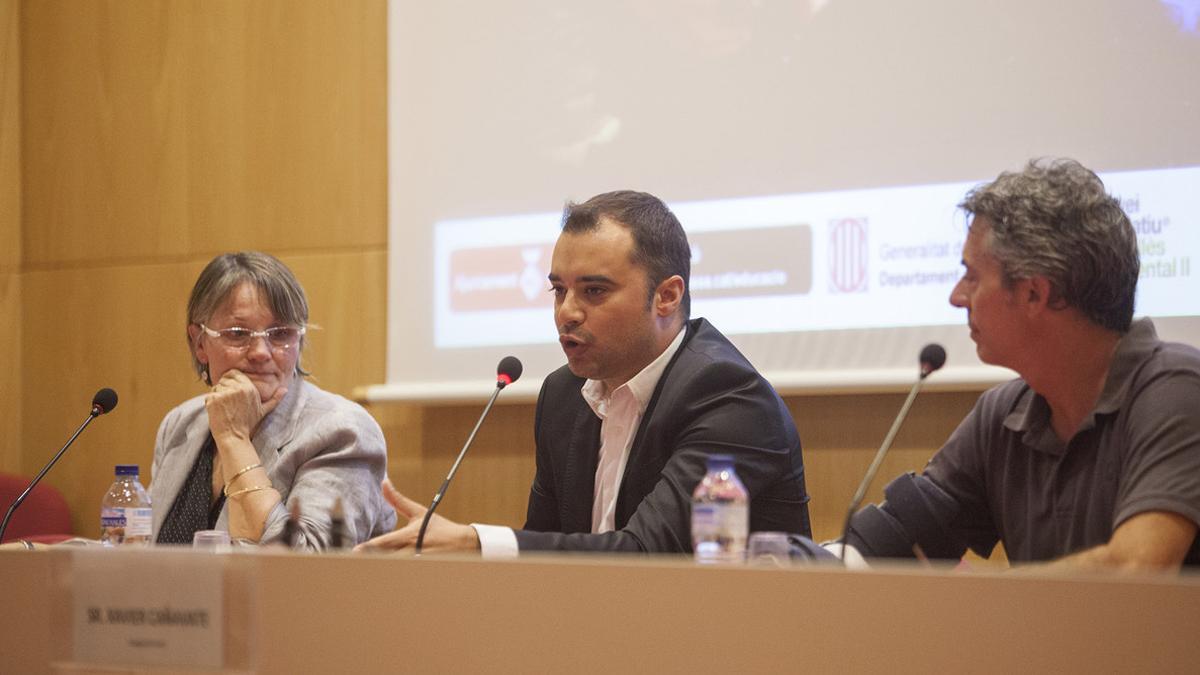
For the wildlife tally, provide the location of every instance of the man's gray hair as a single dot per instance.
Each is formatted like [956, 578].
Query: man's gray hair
[279, 288]
[1055, 219]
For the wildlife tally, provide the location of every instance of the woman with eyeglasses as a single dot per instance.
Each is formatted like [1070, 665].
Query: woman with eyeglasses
[263, 441]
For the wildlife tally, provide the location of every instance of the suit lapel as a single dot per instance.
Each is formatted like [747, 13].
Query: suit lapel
[279, 427]
[628, 498]
[579, 476]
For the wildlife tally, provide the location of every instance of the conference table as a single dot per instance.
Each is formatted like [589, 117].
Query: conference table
[273, 611]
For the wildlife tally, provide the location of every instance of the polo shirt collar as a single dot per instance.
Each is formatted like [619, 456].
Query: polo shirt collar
[1030, 415]
[1132, 351]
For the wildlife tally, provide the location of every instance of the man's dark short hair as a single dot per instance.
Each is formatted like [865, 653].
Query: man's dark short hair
[1055, 219]
[660, 245]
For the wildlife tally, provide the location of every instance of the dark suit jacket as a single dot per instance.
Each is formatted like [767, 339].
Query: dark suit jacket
[710, 400]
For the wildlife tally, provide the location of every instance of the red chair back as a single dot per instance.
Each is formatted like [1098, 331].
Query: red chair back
[43, 517]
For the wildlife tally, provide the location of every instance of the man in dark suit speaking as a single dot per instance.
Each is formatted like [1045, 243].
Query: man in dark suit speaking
[624, 429]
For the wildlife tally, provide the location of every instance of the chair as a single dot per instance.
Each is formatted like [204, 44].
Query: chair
[44, 517]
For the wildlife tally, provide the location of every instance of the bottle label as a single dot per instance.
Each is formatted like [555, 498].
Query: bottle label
[719, 530]
[112, 517]
[137, 522]
[704, 518]
[715, 517]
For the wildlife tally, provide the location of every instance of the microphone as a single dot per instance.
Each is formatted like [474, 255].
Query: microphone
[103, 402]
[507, 372]
[931, 358]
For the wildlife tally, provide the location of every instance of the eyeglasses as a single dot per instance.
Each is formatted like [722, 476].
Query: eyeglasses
[279, 337]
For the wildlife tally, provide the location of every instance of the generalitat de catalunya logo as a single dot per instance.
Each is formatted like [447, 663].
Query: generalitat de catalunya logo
[848, 255]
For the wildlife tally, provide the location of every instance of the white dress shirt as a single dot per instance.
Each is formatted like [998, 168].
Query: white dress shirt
[620, 412]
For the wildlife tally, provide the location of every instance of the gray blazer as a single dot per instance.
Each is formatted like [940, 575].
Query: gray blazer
[316, 446]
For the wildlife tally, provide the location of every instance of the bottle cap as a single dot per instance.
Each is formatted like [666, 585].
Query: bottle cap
[718, 462]
[127, 469]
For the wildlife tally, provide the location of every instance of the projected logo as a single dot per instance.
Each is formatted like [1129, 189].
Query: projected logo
[848, 255]
[499, 278]
[752, 262]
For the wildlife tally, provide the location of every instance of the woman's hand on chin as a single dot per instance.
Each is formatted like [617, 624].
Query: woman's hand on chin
[235, 407]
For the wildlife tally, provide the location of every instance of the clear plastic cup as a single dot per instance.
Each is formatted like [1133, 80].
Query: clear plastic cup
[213, 541]
[768, 548]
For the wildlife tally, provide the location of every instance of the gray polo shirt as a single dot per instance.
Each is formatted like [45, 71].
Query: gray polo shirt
[1138, 450]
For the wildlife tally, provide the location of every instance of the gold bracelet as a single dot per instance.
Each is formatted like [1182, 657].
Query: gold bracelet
[243, 491]
[237, 475]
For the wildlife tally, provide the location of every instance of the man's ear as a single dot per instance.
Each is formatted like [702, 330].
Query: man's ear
[1034, 294]
[668, 296]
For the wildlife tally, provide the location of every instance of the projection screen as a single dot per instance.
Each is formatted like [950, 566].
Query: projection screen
[814, 151]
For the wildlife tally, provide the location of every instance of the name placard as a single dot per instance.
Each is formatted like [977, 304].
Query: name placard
[147, 607]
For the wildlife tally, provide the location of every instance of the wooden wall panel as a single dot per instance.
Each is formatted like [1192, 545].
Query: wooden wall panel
[155, 135]
[10, 137]
[11, 367]
[120, 327]
[347, 301]
[10, 237]
[842, 433]
[492, 485]
[174, 128]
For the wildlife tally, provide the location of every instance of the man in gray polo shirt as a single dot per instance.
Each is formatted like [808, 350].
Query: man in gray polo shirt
[1092, 458]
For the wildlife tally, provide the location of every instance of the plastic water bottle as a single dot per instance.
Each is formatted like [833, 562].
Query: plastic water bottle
[125, 512]
[720, 514]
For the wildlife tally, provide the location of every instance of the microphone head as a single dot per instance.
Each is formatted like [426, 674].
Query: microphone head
[104, 401]
[508, 371]
[933, 357]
